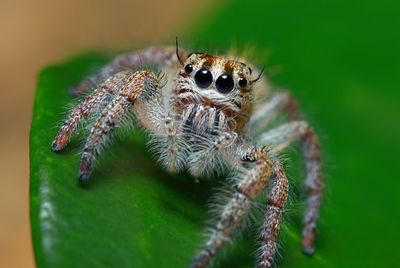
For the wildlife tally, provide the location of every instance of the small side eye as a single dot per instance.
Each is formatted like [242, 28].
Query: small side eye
[203, 78]
[224, 83]
[188, 68]
[242, 82]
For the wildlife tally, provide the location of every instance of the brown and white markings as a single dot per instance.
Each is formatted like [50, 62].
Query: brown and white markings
[204, 115]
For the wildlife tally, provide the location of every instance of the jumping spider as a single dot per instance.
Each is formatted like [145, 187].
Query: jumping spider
[205, 115]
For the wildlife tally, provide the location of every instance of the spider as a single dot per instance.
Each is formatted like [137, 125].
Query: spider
[205, 114]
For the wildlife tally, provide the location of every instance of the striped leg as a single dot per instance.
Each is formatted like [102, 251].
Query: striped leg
[110, 118]
[270, 229]
[113, 114]
[237, 207]
[314, 187]
[126, 87]
[280, 138]
[89, 106]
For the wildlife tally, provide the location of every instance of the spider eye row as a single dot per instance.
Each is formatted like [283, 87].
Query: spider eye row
[224, 83]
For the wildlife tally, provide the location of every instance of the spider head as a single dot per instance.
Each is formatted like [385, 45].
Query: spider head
[219, 75]
[217, 82]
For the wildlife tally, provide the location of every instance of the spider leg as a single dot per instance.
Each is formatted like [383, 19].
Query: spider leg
[270, 230]
[266, 112]
[160, 55]
[235, 210]
[167, 141]
[110, 117]
[136, 84]
[209, 157]
[90, 105]
[166, 137]
[280, 138]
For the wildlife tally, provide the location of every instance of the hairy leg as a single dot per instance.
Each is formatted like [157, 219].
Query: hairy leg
[267, 111]
[314, 187]
[89, 106]
[169, 143]
[282, 136]
[270, 230]
[163, 55]
[127, 89]
[166, 130]
[235, 210]
[110, 118]
[209, 159]
[138, 83]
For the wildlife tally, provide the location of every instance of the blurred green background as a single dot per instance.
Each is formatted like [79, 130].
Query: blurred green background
[340, 58]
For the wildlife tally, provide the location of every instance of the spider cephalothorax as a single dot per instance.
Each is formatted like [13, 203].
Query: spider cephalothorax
[203, 115]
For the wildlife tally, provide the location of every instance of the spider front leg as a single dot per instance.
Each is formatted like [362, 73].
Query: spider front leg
[247, 189]
[90, 105]
[125, 92]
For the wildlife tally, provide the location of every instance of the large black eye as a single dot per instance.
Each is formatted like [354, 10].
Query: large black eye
[188, 68]
[224, 83]
[203, 78]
